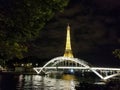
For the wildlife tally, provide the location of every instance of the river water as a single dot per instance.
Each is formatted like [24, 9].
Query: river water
[37, 82]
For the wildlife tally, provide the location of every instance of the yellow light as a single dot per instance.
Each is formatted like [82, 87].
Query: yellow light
[68, 50]
[22, 64]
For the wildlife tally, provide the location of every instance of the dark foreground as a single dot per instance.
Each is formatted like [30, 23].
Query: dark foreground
[37, 82]
[111, 85]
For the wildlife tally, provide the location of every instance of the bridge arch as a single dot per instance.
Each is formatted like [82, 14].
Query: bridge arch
[57, 60]
[61, 59]
[76, 60]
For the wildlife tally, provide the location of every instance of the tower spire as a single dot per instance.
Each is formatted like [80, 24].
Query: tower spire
[68, 49]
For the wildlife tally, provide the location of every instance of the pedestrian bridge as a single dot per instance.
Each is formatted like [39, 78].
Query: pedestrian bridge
[79, 64]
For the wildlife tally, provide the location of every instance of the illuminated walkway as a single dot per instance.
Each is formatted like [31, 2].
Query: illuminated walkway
[58, 62]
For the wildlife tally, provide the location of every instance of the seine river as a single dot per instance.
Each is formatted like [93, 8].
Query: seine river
[37, 82]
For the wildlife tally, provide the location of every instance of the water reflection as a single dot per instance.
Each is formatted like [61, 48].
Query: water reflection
[37, 82]
[71, 81]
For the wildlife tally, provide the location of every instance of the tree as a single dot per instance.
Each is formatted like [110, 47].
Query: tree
[21, 21]
[116, 52]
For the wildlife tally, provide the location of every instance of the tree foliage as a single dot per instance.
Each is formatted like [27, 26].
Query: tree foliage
[21, 21]
[116, 52]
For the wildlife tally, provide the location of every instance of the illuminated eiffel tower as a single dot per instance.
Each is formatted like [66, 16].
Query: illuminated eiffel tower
[68, 49]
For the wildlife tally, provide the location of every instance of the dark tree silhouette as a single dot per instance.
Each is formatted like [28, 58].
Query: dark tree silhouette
[21, 21]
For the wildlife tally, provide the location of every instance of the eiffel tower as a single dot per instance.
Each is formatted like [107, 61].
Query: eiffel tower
[68, 49]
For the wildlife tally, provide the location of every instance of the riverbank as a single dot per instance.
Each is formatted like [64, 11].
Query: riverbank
[19, 73]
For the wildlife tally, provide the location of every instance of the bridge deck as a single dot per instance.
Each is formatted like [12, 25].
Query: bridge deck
[93, 68]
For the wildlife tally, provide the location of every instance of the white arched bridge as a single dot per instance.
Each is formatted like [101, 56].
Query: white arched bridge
[75, 63]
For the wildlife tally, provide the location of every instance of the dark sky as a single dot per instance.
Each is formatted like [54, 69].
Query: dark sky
[94, 32]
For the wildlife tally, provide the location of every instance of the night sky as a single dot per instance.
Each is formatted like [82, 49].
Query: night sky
[95, 32]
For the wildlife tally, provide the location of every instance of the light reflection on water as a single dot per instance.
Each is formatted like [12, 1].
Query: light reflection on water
[37, 82]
